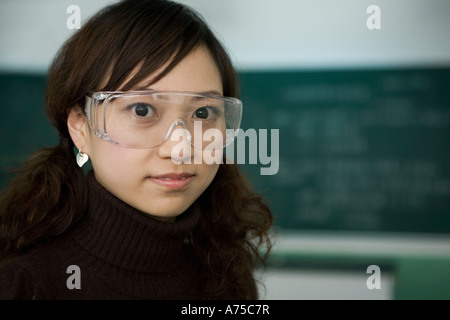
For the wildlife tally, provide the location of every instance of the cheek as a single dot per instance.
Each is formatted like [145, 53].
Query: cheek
[208, 172]
[115, 164]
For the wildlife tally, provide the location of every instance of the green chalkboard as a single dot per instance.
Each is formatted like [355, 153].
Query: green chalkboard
[359, 150]
[24, 127]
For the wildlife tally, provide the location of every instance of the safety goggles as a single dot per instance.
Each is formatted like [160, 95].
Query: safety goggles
[145, 119]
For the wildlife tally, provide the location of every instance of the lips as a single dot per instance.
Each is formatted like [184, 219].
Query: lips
[173, 181]
[173, 176]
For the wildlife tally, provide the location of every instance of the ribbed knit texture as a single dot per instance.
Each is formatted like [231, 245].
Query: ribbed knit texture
[122, 254]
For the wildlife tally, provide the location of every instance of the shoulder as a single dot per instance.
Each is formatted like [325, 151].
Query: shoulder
[17, 282]
[31, 275]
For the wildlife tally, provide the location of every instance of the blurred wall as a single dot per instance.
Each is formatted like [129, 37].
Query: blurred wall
[259, 34]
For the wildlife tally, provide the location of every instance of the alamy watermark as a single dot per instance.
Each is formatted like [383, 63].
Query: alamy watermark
[74, 20]
[374, 281]
[213, 152]
[74, 280]
[374, 20]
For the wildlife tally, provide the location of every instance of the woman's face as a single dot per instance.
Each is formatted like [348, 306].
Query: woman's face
[139, 177]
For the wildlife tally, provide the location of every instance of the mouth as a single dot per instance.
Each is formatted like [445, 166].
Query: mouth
[173, 181]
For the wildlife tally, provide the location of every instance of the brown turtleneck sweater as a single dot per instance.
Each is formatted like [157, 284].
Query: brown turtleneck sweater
[121, 253]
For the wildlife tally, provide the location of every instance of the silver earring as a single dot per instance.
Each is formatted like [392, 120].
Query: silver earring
[82, 158]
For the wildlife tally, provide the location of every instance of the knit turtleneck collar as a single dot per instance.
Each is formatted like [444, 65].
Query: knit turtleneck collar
[127, 238]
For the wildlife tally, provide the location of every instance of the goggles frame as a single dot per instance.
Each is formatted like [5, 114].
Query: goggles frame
[94, 99]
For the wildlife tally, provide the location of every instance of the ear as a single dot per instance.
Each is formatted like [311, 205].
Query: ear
[78, 128]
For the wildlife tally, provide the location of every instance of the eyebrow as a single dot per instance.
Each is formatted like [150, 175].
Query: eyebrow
[217, 93]
[214, 92]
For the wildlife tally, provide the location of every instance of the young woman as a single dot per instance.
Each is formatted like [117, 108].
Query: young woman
[146, 222]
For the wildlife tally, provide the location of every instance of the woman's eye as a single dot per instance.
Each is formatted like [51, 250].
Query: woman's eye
[202, 113]
[141, 109]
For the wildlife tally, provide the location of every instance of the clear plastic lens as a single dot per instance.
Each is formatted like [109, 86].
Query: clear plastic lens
[146, 119]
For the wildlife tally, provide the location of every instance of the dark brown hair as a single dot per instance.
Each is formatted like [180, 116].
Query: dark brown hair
[48, 194]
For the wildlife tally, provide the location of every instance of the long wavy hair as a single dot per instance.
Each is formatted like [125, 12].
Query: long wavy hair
[49, 191]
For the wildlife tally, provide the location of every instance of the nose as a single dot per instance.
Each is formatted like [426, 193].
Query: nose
[172, 147]
[176, 124]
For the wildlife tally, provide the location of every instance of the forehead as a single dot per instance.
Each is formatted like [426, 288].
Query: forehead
[196, 72]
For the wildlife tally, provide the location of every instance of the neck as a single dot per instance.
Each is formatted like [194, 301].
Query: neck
[130, 239]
